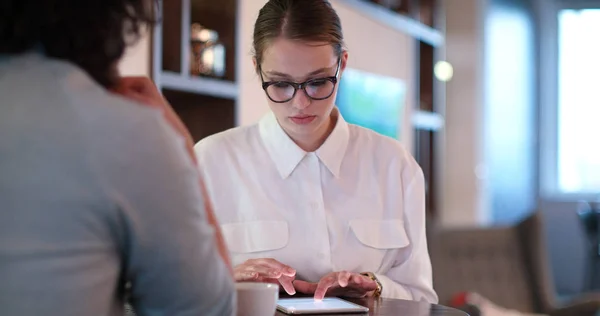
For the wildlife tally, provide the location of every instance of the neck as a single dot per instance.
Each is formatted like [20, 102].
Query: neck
[311, 143]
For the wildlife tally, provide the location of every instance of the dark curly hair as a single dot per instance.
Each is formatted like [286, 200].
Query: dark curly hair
[92, 34]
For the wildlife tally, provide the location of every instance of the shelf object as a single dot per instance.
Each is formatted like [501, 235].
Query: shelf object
[206, 105]
[399, 22]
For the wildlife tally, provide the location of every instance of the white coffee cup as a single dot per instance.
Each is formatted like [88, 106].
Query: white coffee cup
[256, 299]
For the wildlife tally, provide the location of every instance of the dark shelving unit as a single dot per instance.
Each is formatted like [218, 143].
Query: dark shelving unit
[207, 105]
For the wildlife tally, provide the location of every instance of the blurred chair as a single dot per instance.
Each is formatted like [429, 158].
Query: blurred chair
[590, 221]
[507, 265]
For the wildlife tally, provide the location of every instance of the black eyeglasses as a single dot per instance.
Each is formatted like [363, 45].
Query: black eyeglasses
[316, 89]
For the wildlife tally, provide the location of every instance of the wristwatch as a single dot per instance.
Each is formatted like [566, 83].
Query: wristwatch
[379, 288]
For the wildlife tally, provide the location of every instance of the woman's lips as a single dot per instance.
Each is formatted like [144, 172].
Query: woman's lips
[303, 119]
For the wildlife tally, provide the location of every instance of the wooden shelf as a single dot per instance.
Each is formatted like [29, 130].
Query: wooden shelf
[206, 105]
[427, 86]
[397, 21]
[200, 85]
[425, 155]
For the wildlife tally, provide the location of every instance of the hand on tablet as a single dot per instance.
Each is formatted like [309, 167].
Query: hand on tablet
[268, 271]
[342, 283]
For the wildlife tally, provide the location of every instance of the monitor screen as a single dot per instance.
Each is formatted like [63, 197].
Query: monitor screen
[372, 101]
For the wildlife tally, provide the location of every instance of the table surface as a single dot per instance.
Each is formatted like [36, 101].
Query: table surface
[395, 307]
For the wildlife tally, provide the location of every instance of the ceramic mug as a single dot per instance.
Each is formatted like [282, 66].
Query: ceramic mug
[256, 299]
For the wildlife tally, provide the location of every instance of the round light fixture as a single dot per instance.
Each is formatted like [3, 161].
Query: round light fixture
[443, 71]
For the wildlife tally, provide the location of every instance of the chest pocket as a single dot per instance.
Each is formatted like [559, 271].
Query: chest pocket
[255, 236]
[380, 234]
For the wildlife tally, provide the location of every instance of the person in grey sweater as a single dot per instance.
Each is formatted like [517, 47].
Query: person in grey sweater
[98, 186]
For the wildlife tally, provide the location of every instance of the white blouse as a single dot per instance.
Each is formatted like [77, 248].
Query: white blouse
[356, 204]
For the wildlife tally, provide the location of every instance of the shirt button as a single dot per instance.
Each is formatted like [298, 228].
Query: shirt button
[314, 205]
[321, 255]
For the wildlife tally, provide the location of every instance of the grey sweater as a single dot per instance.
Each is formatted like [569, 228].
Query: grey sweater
[95, 191]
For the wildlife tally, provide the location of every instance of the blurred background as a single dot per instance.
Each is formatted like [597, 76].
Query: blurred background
[495, 98]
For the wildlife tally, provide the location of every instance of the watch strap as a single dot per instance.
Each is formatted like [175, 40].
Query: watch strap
[373, 277]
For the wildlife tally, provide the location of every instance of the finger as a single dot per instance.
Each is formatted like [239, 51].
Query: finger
[249, 271]
[359, 278]
[285, 269]
[362, 282]
[287, 284]
[127, 84]
[323, 286]
[304, 287]
[139, 85]
[344, 278]
[241, 276]
[265, 271]
[136, 83]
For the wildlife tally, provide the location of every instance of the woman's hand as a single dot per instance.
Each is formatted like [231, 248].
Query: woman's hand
[342, 283]
[268, 271]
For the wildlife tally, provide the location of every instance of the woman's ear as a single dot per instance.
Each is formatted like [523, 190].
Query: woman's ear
[344, 61]
[255, 64]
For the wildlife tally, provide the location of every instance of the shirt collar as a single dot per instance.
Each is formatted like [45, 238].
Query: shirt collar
[287, 155]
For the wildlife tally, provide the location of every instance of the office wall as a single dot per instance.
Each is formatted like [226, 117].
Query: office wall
[490, 157]
[372, 47]
[137, 59]
[464, 199]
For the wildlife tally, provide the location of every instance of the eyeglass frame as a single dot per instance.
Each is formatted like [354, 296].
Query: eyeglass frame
[301, 86]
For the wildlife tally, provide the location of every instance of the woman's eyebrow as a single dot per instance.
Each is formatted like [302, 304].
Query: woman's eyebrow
[287, 76]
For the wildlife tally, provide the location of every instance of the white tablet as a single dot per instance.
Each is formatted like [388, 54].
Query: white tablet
[329, 305]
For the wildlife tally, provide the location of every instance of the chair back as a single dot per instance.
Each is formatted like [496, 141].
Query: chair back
[507, 265]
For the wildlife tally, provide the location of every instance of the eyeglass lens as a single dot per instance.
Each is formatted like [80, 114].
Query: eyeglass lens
[316, 89]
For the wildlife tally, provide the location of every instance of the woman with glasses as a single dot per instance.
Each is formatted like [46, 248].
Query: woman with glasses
[305, 199]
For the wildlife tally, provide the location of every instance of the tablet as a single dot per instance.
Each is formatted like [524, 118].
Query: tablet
[329, 305]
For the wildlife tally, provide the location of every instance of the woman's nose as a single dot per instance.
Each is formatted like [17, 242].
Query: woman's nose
[301, 100]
